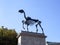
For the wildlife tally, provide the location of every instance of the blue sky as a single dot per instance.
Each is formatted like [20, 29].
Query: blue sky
[47, 11]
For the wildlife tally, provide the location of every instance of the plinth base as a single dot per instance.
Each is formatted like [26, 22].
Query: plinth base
[31, 38]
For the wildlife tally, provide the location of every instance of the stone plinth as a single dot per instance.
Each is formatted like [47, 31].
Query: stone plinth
[31, 38]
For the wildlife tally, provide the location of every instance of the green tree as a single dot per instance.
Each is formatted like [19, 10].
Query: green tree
[8, 36]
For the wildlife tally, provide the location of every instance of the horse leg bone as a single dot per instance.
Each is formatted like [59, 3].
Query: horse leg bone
[23, 26]
[27, 27]
[36, 28]
[41, 28]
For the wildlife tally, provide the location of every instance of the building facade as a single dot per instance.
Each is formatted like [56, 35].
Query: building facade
[53, 43]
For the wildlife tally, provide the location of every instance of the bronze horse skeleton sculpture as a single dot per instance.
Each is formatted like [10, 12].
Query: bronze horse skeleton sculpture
[29, 21]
